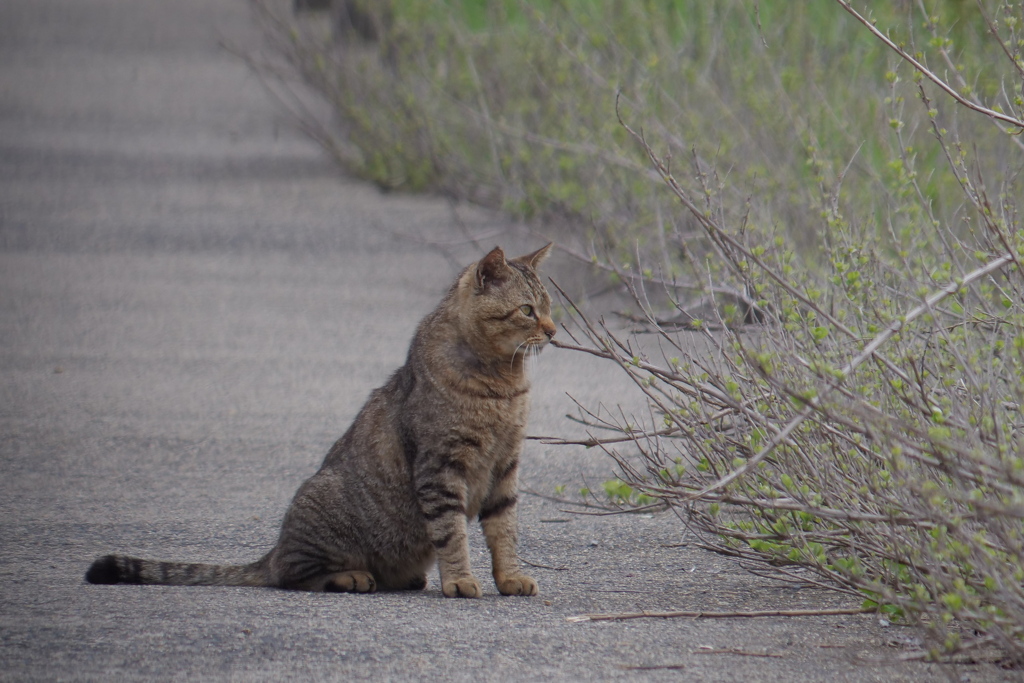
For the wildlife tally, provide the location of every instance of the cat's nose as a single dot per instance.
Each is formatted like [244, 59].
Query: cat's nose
[550, 332]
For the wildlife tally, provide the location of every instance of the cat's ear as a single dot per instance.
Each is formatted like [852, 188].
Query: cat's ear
[491, 268]
[536, 258]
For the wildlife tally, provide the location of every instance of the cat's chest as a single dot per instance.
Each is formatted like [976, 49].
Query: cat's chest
[495, 414]
[474, 420]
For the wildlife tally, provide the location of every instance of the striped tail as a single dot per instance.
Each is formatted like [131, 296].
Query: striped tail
[124, 569]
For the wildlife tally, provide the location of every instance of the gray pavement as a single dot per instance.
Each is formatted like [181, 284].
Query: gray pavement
[194, 303]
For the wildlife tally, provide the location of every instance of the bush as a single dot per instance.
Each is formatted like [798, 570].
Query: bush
[837, 387]
[869, 430]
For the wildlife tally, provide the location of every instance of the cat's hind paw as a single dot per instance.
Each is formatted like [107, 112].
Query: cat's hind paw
[517, 584]
[465, 587]
[351, 582]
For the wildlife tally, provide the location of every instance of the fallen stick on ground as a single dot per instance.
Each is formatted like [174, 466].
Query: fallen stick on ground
[719, 615]
[653, 667]
[706, 650]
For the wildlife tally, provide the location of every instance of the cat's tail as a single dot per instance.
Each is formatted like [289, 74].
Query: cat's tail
[124, 569]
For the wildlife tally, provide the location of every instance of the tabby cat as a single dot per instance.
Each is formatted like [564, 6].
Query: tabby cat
[434, 447]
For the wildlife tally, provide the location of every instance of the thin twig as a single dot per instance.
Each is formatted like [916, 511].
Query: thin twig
[652, 667]
[720, 615]
[566, 501]
[733, 651]
[907, 57]
[543, 566]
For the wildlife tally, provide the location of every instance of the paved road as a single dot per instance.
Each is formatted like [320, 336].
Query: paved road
[193, 306]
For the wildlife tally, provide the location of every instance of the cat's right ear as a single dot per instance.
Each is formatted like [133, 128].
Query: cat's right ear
[491, 268]
[534, 260]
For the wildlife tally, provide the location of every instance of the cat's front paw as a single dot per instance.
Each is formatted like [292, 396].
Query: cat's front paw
[517, 584]
[351, 582]
[464, 587]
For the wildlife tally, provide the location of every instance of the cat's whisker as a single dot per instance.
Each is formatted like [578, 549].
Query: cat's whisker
[533, 351]
[512, 363]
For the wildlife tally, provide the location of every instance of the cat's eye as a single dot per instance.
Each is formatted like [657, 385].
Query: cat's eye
[527, 310]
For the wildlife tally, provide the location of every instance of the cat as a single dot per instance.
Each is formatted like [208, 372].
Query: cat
[434, 447]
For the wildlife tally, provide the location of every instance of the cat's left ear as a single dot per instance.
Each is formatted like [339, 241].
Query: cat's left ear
[536, 258]
[491, 268]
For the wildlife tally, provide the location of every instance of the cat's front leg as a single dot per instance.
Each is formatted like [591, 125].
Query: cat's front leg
[443, 503]
[500, 524]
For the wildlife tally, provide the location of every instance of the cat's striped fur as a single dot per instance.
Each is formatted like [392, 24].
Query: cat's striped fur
[434, 447]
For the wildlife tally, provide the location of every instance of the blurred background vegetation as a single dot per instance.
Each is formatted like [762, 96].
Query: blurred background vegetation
[512, 104]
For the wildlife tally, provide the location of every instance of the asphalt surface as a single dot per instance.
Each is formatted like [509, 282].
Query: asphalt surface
[194, 303]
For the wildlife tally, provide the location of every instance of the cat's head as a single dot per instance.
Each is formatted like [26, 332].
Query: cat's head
[505, 311]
